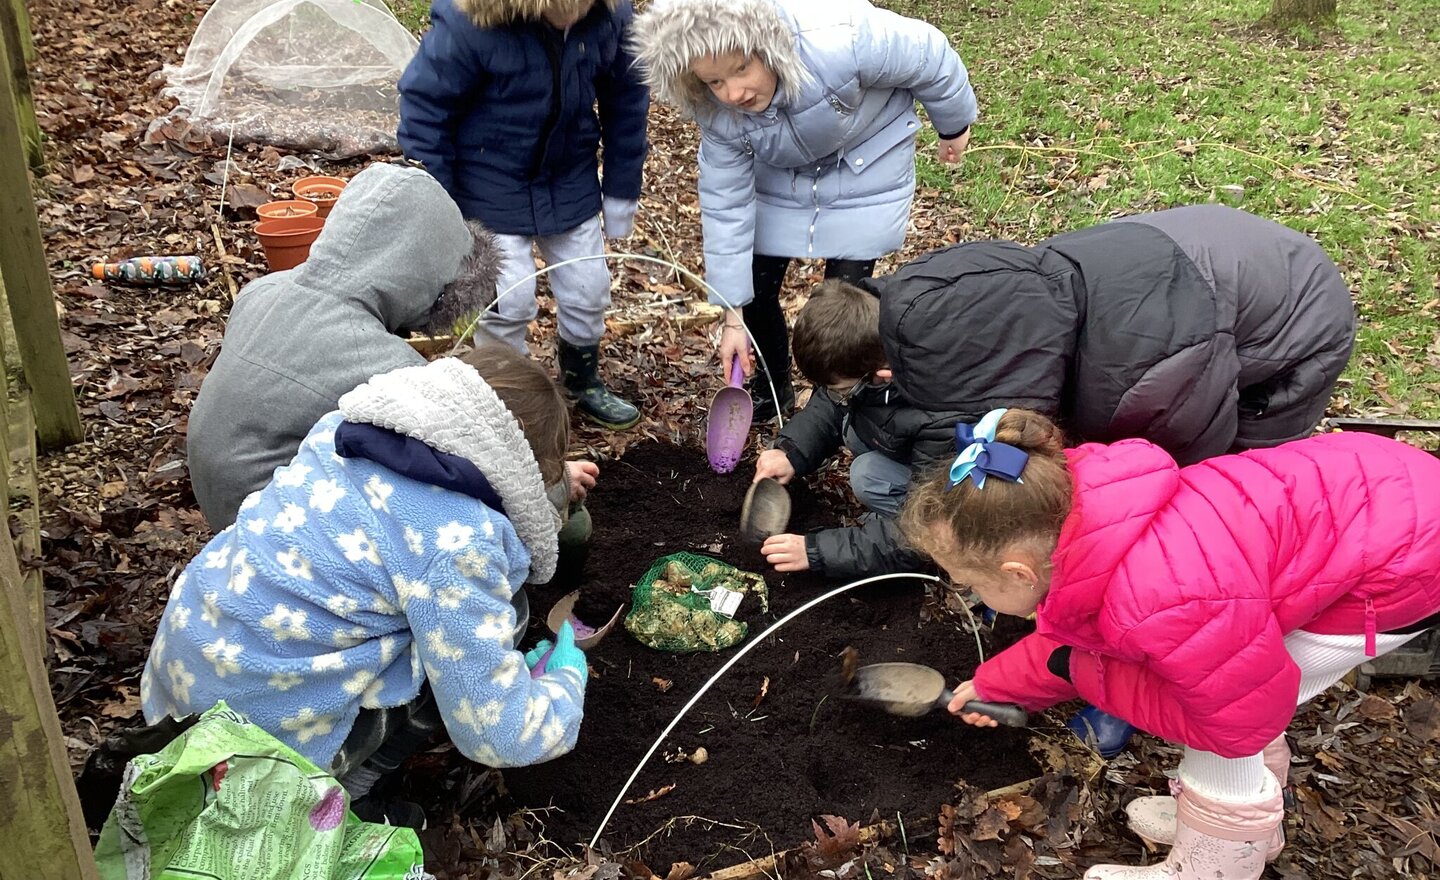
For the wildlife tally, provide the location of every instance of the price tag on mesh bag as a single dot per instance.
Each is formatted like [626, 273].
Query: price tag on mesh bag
[725, 602]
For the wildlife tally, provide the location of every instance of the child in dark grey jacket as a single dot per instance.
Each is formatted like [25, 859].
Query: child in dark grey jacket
[1203, 329]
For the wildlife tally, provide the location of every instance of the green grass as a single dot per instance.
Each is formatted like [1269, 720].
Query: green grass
[1094, 108]
[414, 14]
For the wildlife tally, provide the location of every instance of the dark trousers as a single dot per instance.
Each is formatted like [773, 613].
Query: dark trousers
[766, 319]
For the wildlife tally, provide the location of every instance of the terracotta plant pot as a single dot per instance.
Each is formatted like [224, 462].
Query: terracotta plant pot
[286, 209]
[287, 240]
[322, 191]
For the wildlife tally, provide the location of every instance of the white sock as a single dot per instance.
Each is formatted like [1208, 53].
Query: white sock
[1224, 779]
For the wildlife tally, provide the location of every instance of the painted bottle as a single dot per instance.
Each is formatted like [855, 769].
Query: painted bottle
[151, 270]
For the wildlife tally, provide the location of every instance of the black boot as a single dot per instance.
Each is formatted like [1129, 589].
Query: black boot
[765, 403]
[580, 371]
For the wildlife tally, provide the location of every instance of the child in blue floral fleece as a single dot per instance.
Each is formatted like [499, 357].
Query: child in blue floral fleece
[372, 592]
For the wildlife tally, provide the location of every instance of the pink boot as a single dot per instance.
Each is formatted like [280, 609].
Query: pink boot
[1152, 818]
[1214, 839]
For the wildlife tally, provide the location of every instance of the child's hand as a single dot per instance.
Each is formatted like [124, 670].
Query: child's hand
[951, 150]
[567, 654]
[964, 694]
[735, 344]
[786, 552]
[775, 464]
[538, 655]
[582, 476]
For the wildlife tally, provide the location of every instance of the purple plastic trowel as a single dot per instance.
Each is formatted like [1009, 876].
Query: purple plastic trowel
[728, 425]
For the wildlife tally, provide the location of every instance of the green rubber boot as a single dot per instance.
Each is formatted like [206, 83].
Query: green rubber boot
[574, 545]
[580, 373]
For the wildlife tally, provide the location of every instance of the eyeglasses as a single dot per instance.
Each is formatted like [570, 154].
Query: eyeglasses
[842, 398]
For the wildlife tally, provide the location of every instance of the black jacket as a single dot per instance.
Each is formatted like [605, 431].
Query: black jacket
[1203, 329]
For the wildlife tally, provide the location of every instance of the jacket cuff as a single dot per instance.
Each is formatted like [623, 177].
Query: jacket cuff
[1020, 674]
[951, 137]
[812, 555]
[1059, 662]
[792, 452]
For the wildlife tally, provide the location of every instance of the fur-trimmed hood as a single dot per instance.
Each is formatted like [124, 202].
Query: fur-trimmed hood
[498, 13]
[672, 33]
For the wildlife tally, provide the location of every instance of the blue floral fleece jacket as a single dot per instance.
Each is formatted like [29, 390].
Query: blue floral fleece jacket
[344, 585]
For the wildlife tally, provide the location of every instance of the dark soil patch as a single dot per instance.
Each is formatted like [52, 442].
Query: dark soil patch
[774, 762]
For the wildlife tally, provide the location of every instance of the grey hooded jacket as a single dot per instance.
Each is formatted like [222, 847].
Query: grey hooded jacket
[1203, 329]
[299, 339]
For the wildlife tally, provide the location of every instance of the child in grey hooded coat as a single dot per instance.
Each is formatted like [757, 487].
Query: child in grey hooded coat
[394, 255]
[807, 121]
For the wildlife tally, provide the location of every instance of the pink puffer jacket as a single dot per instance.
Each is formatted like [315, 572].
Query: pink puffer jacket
[1175, 587]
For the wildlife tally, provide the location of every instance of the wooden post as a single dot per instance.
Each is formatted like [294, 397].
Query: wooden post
[44, 828]
[20, 46]
[27, 284]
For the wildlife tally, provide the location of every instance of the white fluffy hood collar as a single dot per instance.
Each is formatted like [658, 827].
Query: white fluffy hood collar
[446, 405]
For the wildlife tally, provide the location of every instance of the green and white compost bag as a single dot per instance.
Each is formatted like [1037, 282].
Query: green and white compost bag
[227, 800]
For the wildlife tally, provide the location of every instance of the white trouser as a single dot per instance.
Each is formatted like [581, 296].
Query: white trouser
[582, 290]
[1323, 660]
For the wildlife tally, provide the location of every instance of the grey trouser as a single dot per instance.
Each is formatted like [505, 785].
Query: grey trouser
[878, 481]
[582, 290]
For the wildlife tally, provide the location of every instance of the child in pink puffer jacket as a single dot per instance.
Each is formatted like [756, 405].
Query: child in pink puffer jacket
[1201, 604]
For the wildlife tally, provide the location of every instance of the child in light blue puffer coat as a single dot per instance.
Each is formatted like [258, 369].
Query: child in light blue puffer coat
[375, 585]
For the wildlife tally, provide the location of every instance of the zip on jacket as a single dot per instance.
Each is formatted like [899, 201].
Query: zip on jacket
[554, 50]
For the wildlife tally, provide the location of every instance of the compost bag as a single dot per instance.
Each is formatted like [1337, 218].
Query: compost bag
[686, 602]
[226, 799]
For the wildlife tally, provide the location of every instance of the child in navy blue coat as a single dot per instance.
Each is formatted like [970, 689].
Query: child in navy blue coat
[507, 104]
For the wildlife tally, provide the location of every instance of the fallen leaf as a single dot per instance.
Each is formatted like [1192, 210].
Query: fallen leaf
[837, 837]
[989, 825]
[680, 871]
[1373, 708]
[662, 684]
[764, 689]
[653, 795]
[1422, 719]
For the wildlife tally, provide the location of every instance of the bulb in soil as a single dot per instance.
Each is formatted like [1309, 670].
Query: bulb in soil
[699, 756]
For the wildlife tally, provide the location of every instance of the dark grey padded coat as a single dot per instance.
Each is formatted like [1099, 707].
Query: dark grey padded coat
[1204, 329]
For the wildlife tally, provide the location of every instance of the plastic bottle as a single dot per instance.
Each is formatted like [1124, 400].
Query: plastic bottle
[151, 270]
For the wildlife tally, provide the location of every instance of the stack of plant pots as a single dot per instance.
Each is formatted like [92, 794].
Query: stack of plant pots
[288, 228]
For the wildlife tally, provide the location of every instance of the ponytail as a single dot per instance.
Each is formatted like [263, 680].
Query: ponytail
[969, 515]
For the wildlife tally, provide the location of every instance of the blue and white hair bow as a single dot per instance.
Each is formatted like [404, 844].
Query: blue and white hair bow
[980, 455]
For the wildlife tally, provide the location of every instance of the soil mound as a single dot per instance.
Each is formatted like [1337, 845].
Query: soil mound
[782, 747]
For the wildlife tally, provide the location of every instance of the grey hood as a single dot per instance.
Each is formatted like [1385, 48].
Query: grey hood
[670, 34]
[394, 253]
[393, 242]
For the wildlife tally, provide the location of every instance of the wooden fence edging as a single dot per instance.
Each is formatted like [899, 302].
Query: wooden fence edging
[27, 283]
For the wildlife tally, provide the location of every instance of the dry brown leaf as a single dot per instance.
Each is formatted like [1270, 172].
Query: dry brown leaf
[653, 795]
[764, 689]
[1373, 708]
[849, 663]
[989, 825]
[837, 837]
[680, 871]
[946, 841]
[1415, 838]
[662, 684]
[1422, 719]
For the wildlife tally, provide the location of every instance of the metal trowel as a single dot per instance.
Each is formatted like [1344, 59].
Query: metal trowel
[766, 511]
[912, 690]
